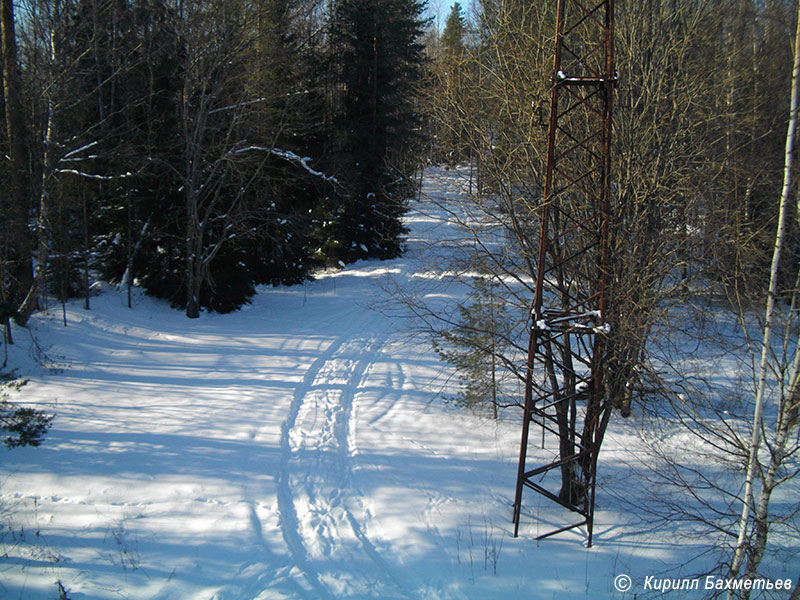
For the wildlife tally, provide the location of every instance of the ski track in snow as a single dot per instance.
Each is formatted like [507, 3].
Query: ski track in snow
[318, 449]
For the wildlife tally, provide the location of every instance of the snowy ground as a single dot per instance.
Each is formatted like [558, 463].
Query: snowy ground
[298, 448]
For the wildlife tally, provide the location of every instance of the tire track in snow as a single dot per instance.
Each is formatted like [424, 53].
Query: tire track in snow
[315, 496]
[347, 451]
[287, 518]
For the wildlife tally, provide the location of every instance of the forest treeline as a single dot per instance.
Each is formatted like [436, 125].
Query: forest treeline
[202, 148]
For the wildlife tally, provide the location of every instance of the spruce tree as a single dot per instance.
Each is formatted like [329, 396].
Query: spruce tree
[455, 29]
[20, 426]
[377, 60]
[478, 347]
[288, 203]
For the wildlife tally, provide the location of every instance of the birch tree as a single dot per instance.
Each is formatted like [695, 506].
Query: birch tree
[46, 150]
[752, 536]
[65, 147]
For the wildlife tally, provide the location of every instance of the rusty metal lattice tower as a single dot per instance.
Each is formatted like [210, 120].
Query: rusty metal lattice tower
[564, 387]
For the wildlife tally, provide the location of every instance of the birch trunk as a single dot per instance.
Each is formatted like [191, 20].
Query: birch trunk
[748, 501]
[30, 302]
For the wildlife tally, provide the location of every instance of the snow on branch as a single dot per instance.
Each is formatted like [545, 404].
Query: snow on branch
[72, 153]
[93, 175]
[290, 156]
[79, 159]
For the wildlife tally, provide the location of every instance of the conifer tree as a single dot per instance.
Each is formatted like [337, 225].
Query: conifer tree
[288, 203]
[453, 67]
[477, 347]
[22, 426]
[377, 59]
[455, 29]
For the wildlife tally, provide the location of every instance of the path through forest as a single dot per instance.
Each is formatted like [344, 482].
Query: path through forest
[299, 448]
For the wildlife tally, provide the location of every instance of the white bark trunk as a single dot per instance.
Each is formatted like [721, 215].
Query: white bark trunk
[758, 411]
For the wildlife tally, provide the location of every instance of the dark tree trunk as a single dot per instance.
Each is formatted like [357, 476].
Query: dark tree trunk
[21, 272]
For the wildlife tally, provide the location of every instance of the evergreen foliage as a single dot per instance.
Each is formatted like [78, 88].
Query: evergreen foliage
[377, 60]
[477, 346]
[22, 426]
[455, 30]
[191, 147]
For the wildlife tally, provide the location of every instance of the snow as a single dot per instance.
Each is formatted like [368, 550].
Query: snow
[69, 155]
[93, 175]
[298, 448]
[290, 156]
